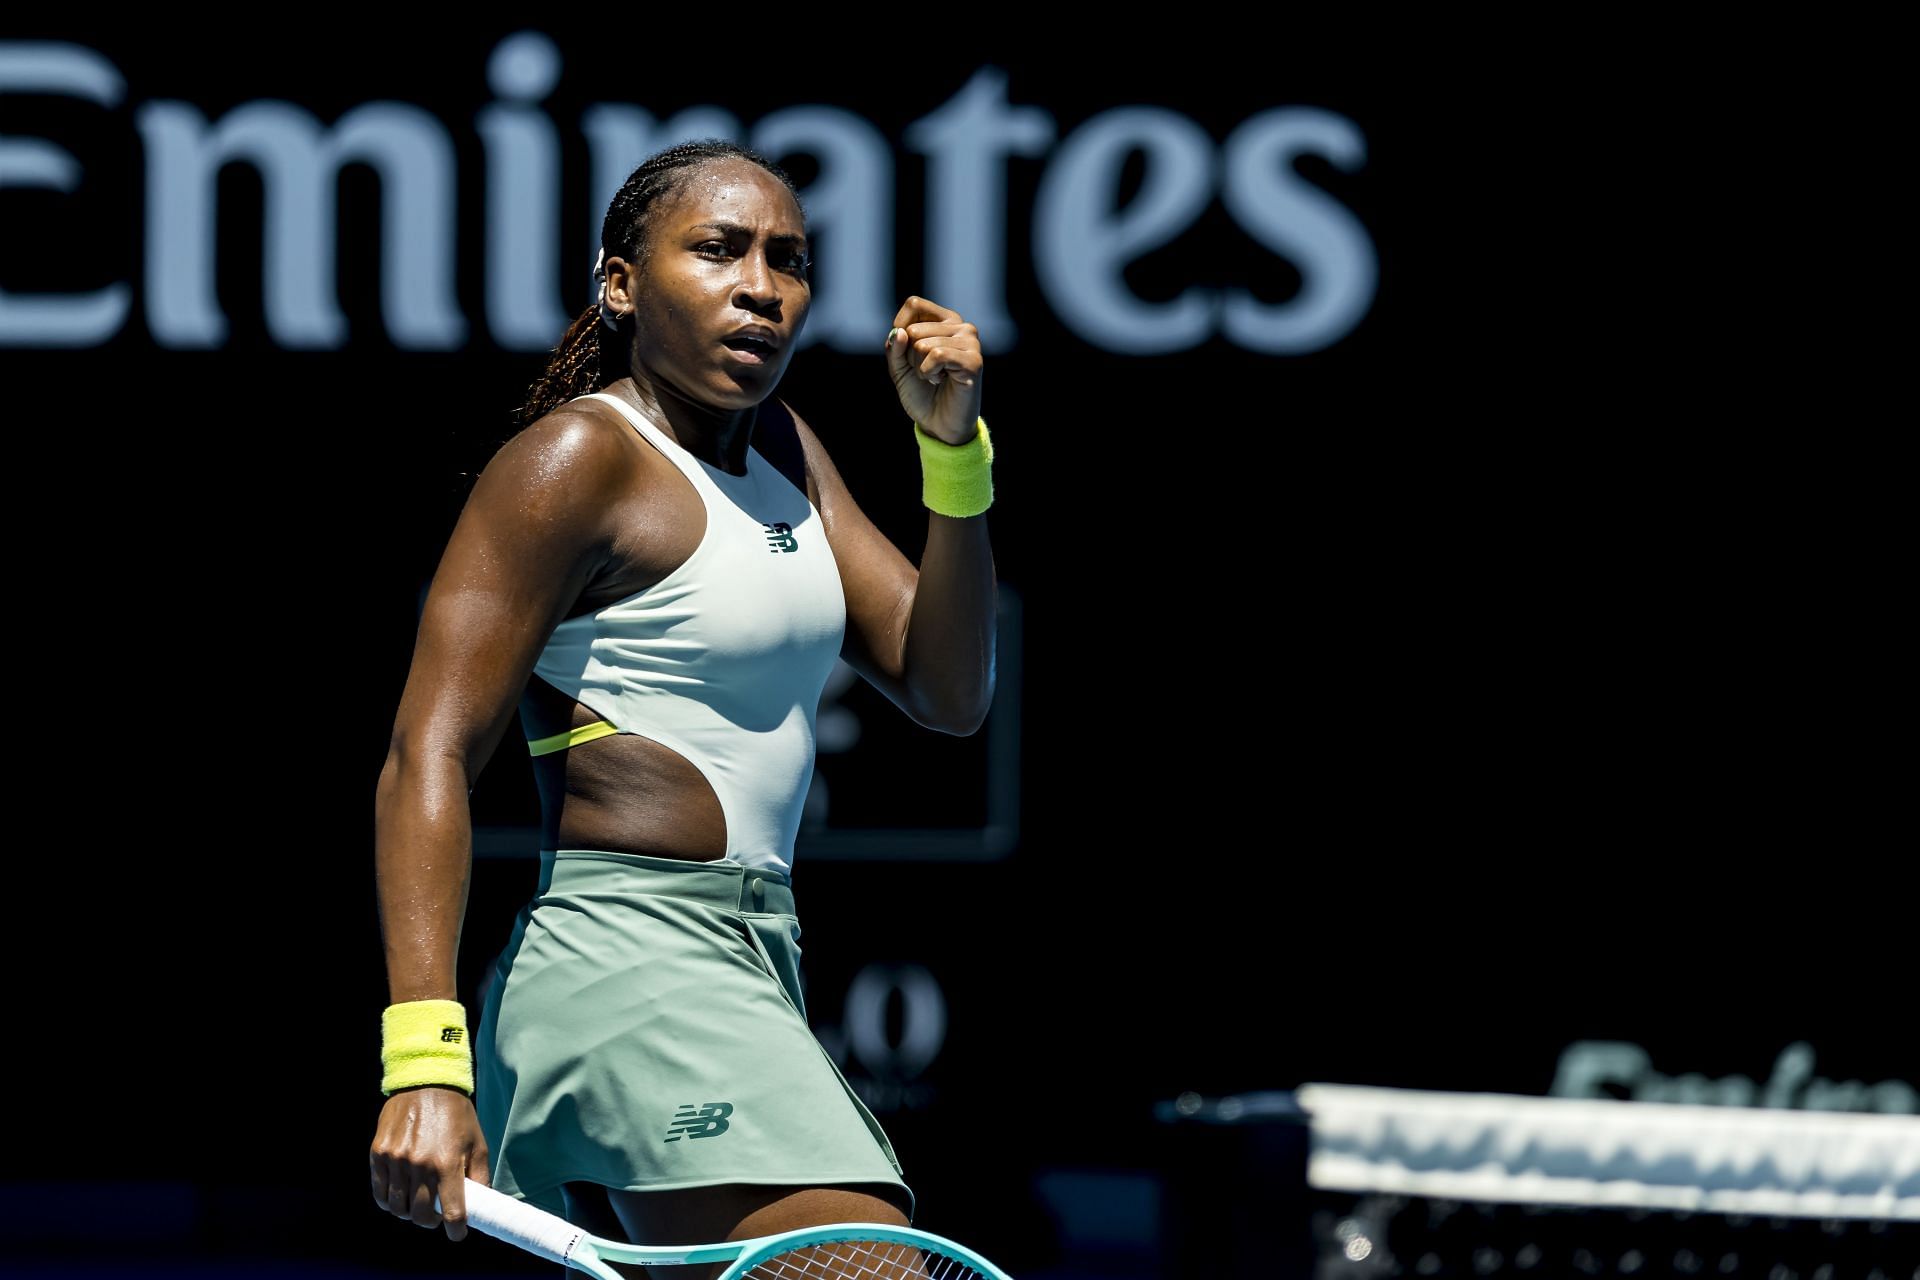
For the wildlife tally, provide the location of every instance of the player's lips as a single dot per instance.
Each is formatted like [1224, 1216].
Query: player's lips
[753, 343]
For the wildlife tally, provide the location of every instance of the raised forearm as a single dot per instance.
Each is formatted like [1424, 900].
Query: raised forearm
[423, 861]
[950, 631]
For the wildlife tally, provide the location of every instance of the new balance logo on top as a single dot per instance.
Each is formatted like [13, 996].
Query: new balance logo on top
[692, 1121]
[780, 534]
[450, 1035]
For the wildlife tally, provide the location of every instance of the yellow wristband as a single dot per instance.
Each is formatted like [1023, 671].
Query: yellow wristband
[425, 1042]
[956, 479]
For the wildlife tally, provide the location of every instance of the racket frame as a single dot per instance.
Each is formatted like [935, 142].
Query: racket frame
[550, 1236]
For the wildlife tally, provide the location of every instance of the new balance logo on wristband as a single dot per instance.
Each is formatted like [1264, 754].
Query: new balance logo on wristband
[450, 1035]
[691, 1121]
[780, 534]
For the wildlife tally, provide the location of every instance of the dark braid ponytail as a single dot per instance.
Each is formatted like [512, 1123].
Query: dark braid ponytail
[592, 355]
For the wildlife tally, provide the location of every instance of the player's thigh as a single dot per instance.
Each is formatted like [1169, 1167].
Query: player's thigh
[738, 1211]
[588, 1208]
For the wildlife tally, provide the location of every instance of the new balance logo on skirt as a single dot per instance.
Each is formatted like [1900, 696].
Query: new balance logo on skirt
[780, 534]
[691, 1121]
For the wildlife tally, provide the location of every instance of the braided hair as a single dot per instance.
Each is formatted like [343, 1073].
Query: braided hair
[590, 354]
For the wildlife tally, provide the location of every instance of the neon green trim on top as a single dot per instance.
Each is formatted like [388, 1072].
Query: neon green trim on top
[571, 738]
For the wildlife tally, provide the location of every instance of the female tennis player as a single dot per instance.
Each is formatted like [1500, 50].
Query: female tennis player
[661, 568]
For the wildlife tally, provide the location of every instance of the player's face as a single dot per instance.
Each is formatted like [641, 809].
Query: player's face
[728, 250]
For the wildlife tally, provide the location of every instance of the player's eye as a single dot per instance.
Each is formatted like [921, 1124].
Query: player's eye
[792, 260]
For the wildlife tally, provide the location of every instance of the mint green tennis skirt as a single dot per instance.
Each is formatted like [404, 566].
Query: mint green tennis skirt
[643, 1029]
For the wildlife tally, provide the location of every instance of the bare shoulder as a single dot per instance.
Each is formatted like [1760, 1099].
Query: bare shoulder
[572, 458]
[820, 468]
[804, 431]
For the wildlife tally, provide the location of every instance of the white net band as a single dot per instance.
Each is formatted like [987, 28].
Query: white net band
[1613, 1154]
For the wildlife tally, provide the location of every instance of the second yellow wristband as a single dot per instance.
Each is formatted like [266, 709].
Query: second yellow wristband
[425, 1042]
[956, 479]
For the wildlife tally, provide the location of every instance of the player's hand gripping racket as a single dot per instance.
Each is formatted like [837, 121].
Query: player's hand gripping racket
[869, 1250]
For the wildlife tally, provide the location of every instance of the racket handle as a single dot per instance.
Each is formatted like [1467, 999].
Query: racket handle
[517, 1222]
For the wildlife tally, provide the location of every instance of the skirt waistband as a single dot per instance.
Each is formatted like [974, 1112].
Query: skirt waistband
[724, 884]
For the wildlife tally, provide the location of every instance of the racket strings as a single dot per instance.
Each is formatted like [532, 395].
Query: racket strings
[862, 1260]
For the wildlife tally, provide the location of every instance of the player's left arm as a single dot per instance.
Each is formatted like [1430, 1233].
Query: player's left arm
[924, 637]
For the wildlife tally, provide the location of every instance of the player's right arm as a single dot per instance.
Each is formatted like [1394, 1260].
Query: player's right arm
[534, 532]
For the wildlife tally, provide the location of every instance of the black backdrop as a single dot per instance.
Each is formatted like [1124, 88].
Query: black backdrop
[1510, 672]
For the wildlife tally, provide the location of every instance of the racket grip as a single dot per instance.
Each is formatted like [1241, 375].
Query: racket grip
[517, 1222]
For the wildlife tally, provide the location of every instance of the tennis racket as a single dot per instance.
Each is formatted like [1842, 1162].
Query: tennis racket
[869, 1250]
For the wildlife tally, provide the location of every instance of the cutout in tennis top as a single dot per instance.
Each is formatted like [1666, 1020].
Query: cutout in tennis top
[724, 659]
